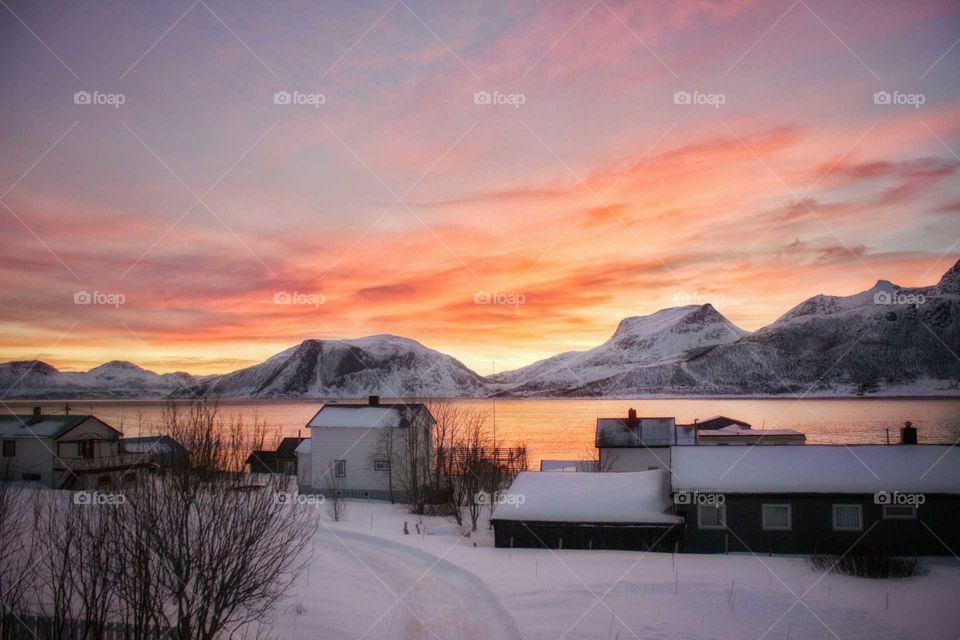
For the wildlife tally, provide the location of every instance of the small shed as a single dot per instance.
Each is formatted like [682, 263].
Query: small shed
[587, 511]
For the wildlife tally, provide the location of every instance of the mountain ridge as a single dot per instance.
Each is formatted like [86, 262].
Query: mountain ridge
[881, 338]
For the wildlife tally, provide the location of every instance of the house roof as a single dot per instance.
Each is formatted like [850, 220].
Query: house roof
[638, 497]
[48, 426]
[288, 446]
[854, 469]
[650, 432]
[144, 444]
[719, 422]
[367, 416]
[304, 447]
[734, 431]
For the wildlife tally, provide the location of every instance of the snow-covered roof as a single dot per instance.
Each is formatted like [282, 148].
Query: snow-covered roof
[733, 431]
[48, 426]
[304, 446]
[860, 469]
[145, 444]
[367, 416]
[639, 497]
[650, 432]
[560, 465]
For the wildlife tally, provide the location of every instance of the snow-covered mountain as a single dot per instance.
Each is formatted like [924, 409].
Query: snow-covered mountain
[888, 337]
[116, 379]
[641, 347]
[387, 365]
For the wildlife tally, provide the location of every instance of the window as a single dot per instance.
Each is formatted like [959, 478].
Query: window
[31, 477]
[711, 516]
[776, 517]
[899, 512]
[85, 448]
[847, 517]
[381, 465]
[341, 469]
[9, 448]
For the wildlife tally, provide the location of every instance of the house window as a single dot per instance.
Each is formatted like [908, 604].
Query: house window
[776, 517]
[847, 517]
[85, 448]
[711, 516]
[899, 512]
[9, 448]
[341, 469]
[381, 465]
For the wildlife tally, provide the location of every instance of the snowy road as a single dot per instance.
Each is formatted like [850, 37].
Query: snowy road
[361, 587]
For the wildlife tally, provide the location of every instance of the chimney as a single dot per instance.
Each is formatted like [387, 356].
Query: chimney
[632, 422]
[36, 415]
[374, 401]
[908, 434]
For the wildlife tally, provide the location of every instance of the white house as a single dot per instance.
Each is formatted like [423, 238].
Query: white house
[363, 450]
[61, 451]
[639, 444]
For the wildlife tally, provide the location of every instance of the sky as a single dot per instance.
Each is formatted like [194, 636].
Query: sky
[197, 186]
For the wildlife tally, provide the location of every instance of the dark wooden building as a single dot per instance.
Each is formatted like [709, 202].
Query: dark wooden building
[865, 500]
[587, 511]
[282, 461]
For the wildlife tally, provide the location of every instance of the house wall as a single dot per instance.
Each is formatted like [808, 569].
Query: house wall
[304, 469]
[812, 527]
[579, 535]
[634, 458]
[33, 455]
[360, 447]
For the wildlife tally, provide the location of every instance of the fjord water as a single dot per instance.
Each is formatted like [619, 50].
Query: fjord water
[564, 429]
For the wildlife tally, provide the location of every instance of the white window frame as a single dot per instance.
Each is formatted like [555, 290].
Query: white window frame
[381, 465]
[887, 516]
[721, 509]
[859, 508]
[340, 469]
[763, 517]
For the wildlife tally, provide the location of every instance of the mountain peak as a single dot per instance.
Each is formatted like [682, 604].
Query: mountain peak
[950, 282]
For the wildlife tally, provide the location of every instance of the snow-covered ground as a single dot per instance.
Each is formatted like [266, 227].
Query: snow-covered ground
[369, 580]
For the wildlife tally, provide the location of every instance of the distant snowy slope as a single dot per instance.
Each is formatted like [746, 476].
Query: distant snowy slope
[667, 336]
[383, 364]
[36, 379]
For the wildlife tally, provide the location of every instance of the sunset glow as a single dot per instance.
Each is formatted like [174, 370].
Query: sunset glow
[232, 225]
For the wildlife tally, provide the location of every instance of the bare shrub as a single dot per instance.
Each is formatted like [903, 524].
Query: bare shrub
[875, 567]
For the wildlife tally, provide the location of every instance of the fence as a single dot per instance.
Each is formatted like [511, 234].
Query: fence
[46, 628]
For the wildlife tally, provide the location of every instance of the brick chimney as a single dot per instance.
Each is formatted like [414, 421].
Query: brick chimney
[36, 415]
[373, 401]
[908, 434]
[632, 421]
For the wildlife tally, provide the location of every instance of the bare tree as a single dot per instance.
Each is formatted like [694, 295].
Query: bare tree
[333, 494]
[17, 550]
